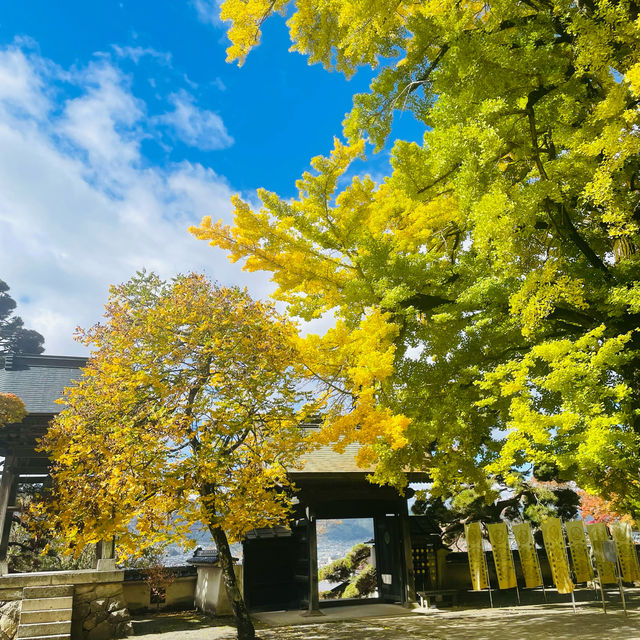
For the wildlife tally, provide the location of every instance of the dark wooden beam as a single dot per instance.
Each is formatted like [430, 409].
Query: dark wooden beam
[7, 487]
[410, 596]
[314, 593]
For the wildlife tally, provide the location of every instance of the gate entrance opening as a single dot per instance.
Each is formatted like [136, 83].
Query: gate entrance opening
[346, 560]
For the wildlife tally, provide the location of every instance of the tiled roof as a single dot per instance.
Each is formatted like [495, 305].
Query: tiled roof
[39, 380]
[326, 460]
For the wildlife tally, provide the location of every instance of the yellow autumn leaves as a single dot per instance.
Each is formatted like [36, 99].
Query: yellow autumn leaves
[11, 409]
[187, 413]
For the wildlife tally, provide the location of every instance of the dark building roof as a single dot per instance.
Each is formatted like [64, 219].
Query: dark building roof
[39, 380]
[268, 532]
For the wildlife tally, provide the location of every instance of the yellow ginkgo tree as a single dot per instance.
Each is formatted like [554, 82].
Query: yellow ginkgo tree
[187, 412]
[496, 268]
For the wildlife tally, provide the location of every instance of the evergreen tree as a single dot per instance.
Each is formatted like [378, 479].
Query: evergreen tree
[14, 337]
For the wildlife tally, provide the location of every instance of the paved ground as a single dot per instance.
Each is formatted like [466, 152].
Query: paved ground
[556, 622]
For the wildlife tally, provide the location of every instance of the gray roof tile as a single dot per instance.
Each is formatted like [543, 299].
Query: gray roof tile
[39, 380]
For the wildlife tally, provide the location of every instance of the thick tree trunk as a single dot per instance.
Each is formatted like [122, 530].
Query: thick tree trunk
[245, 626]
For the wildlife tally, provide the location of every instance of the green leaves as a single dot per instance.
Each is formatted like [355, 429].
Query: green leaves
[502, 252]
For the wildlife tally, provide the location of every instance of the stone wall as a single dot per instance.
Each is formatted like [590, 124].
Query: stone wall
[99, 608]
[9, 617]
[100, 612]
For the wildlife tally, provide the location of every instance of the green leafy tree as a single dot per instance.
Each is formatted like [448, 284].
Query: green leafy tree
[531, 501]
[354, 571]
[487, 292]
[13, 336]
[187, 412]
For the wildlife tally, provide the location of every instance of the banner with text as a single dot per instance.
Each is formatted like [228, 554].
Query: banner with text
[557, 554]
[621, 533]
[579, 551]
[597, 533]
[528, 555]
[502, 558]
[477, 566]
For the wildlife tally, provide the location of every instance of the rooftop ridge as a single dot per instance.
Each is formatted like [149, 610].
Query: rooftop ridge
[15, 361]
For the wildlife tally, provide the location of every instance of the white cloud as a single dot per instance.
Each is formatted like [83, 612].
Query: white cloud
[102, 123]
[20, 84]
[136, 53]
[80, 208]
[196, 127]
[208, 11]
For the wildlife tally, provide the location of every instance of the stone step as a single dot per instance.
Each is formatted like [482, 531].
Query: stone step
[44, 604]
[53, 591]
[43, 629]
[45, 615]
[57, 636]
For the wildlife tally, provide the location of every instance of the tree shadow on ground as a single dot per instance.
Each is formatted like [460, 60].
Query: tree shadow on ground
[494, 624]
[167, 622]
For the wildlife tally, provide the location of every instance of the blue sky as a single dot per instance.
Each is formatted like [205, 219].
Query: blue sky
[121, 124]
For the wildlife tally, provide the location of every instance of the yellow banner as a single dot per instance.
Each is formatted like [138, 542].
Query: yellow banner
[579, 551]
[557, 554]
[477, 566]
[621, 533]
[528, 555]
[597, 535]
[499, 538]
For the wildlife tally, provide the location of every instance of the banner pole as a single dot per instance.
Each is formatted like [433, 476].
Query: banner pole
[604, 605]
[486, 568]
[513, 562]
[624, 603]
[566, 557]
[544, 591]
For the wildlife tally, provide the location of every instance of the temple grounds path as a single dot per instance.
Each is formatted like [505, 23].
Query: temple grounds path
[556, 622]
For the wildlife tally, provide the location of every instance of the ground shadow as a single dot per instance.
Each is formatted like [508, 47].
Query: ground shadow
[168, 622]
[496, 624]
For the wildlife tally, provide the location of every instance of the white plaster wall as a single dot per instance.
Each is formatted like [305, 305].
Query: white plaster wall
[211, 594]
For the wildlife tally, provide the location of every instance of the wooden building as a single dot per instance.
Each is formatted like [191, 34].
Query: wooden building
[281, 566]
[39, 381]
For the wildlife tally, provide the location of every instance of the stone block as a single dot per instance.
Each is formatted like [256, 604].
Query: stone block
[81, 610]
[115, 604]
[124, 629]
[53, 591]
[45, 615]
[13, 593]
[41, 604]
[99, 605]
[104, 631]
[43, 629]
[9, 618]
[121, 615]
[90, 622]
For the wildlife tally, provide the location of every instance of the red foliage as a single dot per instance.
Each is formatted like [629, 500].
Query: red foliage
[597, 509]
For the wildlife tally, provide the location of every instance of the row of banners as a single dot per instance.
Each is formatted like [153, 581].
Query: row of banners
[607, 553]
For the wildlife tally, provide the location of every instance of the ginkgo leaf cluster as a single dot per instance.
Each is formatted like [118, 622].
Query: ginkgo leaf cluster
[501, 252]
